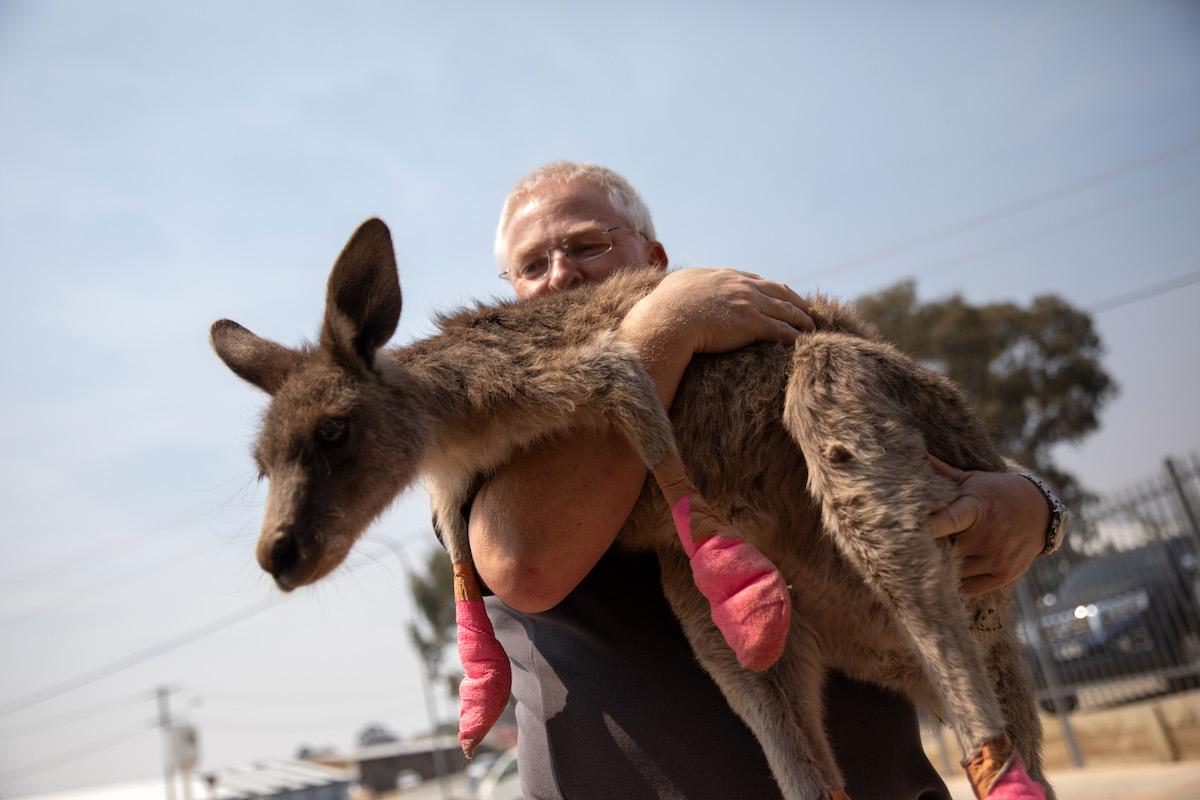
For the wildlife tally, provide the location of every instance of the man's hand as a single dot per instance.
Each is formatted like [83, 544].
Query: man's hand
[999, 522]
[716, 311]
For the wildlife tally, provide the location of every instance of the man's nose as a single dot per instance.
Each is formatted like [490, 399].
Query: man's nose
[563, 272]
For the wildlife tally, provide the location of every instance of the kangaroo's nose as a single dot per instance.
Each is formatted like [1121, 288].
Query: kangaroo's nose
[282, 556]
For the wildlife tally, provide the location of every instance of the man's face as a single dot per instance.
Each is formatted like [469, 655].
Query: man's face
[556, 211]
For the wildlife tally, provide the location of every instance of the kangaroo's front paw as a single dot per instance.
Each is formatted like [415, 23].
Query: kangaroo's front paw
[749, 599]
[487, 679]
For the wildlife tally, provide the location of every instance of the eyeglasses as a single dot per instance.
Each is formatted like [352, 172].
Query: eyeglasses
[583, 246]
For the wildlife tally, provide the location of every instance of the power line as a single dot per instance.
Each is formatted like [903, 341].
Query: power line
[1144, 293]
[1008, 209]
[61, 566]
[302, 725]
[147, 653]
[73, 755]
[132, 660]
[66, 718]
[305, 699]
[1057, 227]
[121, 578]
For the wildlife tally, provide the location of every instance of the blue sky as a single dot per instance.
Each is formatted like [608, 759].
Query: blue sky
[164, 165]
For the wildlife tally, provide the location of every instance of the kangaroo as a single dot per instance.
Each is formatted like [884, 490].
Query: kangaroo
[795, 541]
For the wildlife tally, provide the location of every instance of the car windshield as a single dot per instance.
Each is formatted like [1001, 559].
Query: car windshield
[1139, 563]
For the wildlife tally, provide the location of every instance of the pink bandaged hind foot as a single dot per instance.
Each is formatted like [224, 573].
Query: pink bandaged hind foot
[1015, 784]
[749, 600]
[487, 675]
[996, 773]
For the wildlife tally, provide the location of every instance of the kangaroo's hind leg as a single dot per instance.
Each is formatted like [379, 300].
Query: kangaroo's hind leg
[995, 632]
[782, 706]
[748, 598]
[865, 454]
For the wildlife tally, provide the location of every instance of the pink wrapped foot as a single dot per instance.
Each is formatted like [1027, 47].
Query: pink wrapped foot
[1015, 784]
[487, 677]
[750, 602]
[996, 773]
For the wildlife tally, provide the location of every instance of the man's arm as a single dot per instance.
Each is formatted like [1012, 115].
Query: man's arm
[543, 521]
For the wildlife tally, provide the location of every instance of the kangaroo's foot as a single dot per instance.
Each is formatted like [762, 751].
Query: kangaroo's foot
[748, 597]
[487, 677]
[996, 773]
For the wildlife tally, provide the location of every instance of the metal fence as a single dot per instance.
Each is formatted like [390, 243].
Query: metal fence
[1115, 615]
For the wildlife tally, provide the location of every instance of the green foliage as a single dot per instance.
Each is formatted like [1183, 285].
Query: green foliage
[436, 630]
[1033, 373]
[433, 592]
[376, 733]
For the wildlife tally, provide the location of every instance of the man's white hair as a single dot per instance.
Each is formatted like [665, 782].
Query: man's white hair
[621, 194]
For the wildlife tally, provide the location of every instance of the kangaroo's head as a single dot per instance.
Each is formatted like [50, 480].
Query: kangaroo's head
[338, 442]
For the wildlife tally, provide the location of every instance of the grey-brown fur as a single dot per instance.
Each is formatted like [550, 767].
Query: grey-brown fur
[815, 452]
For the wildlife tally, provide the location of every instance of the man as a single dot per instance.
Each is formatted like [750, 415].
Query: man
[610, 701]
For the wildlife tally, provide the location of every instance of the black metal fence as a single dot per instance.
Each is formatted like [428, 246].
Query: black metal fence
[1115, 615]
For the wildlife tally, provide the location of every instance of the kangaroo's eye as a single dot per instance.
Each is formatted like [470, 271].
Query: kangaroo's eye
[331, 432]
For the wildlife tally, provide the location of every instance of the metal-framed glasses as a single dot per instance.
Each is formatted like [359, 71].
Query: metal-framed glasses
[577, 247]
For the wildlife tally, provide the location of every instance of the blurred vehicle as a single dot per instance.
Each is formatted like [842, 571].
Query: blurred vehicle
[1130, 613]
[408, 779]
[502, 781]
[476, 769]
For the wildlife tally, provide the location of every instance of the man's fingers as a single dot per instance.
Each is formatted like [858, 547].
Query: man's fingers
[955, 518]
[944, 469]
[789, 313]
[781, 291]
[972, 567]
[746, 274]
[779, 330]
[981, 584]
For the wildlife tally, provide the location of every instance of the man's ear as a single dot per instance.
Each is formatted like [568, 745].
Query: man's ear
[362, 305]
[260, 361]
[656, 254]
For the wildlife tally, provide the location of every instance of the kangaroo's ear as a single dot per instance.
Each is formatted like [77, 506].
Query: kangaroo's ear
[260, 361]
[362, 307]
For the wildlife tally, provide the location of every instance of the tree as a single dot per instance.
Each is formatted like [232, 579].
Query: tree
[1033, 373]
[435, 629]
[376, 733]
[307, 751]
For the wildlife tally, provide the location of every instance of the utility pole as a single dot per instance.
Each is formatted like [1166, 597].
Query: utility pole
[164, 724]
[439, 764]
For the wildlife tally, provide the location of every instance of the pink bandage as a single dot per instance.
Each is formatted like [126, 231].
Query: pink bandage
[487, 677]
[1015, 784]
[749, 600]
